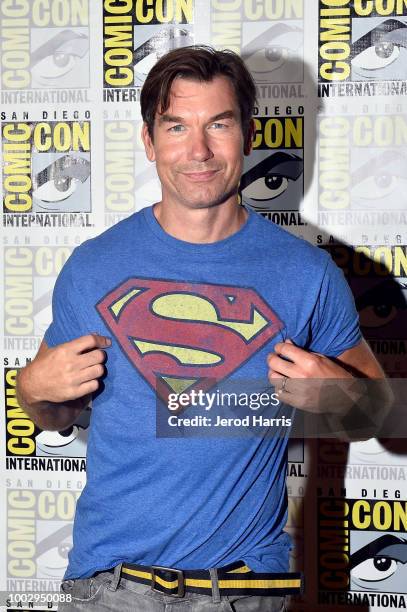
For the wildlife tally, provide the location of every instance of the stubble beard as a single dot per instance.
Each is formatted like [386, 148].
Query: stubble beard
[208, 200]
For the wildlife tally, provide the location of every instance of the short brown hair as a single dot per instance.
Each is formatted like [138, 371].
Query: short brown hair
[200, 63]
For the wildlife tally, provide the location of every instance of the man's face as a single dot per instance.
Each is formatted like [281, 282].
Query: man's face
[198, 144]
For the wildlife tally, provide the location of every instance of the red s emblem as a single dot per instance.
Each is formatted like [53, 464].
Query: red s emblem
[185, 335]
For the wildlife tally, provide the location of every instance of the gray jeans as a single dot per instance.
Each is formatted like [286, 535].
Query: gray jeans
[107, 592]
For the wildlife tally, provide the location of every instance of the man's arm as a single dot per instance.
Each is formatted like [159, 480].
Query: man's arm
[361, 362]
[56, 386]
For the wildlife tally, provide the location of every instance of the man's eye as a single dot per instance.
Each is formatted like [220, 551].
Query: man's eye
[380, 55]
[375, 569]
[218, 126]
[176, 128]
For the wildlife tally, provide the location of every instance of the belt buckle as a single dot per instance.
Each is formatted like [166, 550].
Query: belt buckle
[180, 578]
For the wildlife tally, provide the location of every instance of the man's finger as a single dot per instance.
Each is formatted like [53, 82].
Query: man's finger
[277, 380]
[281, 366]
[290, 351]
[92, 373]
[88, 388]
[101, 341]
[89, 342]
[285, 384]
[92, 357]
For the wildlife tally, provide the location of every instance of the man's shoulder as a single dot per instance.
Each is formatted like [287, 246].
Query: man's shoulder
[113, 239]
[112, 248]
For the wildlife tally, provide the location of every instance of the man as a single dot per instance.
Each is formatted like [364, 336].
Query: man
[192, 290]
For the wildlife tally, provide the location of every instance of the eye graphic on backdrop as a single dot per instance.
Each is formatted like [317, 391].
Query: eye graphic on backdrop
[59, 180]
[382, 308]
[148, 186]
[56, 439]
[70, 442]
[271, 177]
[381, 559]
[267, 187]
[58, 57]
[381, 181]
[377, 56]
[382, 52]
[147, 54]
[52, 551]
[271, 50]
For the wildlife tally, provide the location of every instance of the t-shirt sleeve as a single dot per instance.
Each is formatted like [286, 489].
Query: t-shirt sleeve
[65, 324]
[335, 321]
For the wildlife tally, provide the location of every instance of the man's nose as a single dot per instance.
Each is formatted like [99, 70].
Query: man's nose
[200, 149]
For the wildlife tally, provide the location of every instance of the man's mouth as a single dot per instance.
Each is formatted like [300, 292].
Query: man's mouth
[205, 175]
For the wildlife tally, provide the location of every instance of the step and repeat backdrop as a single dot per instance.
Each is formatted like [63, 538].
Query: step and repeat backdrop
[328, 164]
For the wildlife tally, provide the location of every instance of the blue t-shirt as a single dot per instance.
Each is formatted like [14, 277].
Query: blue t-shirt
[195, 502]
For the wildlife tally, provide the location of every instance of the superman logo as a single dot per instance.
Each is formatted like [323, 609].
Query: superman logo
[182, 336]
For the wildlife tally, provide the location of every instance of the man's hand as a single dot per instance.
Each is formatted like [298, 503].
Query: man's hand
[302, 363]
[337, 388]
[298, 376]
[66, 372]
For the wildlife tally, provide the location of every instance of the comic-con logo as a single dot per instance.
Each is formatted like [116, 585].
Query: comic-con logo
[362, 545]
[182, 336]
[29, 277]
[268, 35]
[25, 439]
[119, 142]
[362, 170]
[39, 527]
[273, 174]
[44, 44]
[377, 275]
[131, 182]
[137, 34]
[46, 166]
[362, 41]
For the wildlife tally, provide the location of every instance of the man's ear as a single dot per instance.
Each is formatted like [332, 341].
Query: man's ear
[248, 145]
[148, 143]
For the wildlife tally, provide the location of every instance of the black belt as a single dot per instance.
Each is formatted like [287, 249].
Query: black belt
[233, 579]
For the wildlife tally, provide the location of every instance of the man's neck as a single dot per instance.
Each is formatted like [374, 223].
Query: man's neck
[203, 225]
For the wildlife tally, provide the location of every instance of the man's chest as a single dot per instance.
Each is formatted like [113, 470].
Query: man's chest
[184, 335]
